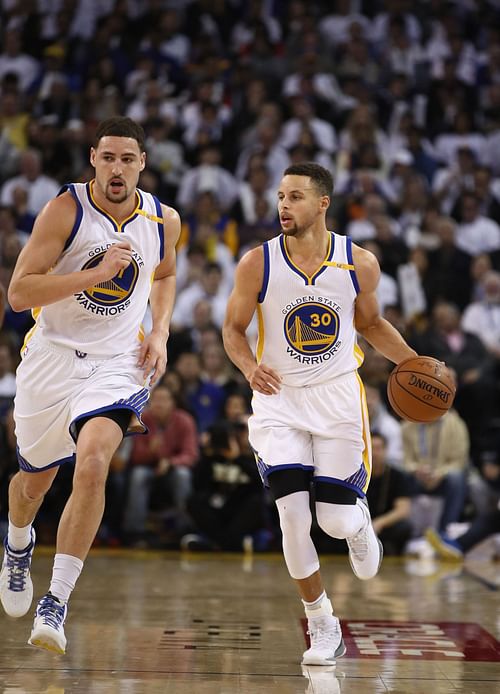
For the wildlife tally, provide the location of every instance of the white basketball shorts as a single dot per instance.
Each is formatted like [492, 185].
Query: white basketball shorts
[57, 386]
[322, 428]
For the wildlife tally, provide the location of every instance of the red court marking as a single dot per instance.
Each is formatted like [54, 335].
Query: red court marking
[452, 641]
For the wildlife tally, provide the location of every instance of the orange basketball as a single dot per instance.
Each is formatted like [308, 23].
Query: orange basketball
[420, 389]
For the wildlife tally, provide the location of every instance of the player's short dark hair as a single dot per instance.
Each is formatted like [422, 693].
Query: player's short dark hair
[322, 179]
[120, 126]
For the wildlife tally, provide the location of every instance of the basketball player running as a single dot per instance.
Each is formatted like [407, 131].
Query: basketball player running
[97, 254]
[312, 290]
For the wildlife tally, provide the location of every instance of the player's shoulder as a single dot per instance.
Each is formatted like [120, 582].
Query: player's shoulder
[250, 268]
[170, 214]
[62, 208]
[364, 260]
[367, 268]
[171, 223]
[252, 259]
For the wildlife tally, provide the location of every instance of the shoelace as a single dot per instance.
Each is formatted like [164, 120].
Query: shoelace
[359, 543]
[18, 566]
[51, 612]
[322, 635]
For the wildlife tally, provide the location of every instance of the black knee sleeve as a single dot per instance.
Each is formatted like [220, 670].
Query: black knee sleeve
[288, 481]
[331, 493]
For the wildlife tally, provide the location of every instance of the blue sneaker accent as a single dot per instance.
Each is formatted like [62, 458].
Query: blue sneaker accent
[16, 587]
[445, 547]
[48, 627]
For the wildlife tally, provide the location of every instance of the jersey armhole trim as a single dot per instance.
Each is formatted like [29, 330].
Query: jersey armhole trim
[348, 248]
[161, 226]
[265, 279]
[79, 213]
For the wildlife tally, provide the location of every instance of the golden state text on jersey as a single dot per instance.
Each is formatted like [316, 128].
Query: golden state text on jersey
[311, 326]
[105, 319]
[306, 323]
[112, 296]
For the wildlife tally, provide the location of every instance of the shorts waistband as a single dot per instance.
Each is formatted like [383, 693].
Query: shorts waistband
[329, 381]
[65, 350]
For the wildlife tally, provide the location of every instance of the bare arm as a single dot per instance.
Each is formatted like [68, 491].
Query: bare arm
[368, 321]
[32, 284]
[153, 352]
[240, 309]
[400, 511]
[2, 304]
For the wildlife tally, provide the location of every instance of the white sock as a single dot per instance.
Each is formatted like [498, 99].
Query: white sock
[320, 607]
[65, 574]
[18, 538]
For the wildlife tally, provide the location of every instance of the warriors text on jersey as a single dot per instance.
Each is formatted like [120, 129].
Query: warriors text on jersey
[306, 324]
[105, 319]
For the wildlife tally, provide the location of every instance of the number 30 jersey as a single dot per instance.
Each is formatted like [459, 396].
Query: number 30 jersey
[306, 323]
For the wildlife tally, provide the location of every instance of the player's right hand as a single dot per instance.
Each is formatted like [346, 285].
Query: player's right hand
[264, 380]
[117, 258]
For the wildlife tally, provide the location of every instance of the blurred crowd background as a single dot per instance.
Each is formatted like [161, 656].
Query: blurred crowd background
[401, 101]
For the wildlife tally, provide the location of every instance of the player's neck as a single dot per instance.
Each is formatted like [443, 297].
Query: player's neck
[314, 241]
[118, 210]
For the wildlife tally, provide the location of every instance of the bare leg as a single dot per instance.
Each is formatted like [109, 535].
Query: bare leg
[310, 588]
[26, 493]
[82, 515]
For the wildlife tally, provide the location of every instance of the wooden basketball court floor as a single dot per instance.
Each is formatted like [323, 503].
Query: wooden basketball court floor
[144, 622]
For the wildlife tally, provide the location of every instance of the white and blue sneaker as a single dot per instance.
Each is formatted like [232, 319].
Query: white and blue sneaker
[326, 639]
[365, 549]
[48, 627]
[16, 588]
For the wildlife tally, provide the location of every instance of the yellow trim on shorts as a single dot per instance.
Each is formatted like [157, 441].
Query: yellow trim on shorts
[367, 451]
[359, 355]
[35, 312]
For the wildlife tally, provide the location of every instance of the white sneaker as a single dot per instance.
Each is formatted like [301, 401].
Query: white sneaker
[16, 588]
[365, 549]
[327, 643]
[48, 627]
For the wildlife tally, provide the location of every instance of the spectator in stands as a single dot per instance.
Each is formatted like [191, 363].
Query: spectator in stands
[482, 318]
[465, 353]
[203, 399]
[382, 421]
[209, 288]
[448, 278]
[437, 456]
[39, 187]
[389, 497]
[228, 501]
[476, 233]
[454, 549]
[161, 463]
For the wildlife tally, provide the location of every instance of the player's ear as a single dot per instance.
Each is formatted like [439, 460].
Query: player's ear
[92, 156]
[143, 161]
[324, 202]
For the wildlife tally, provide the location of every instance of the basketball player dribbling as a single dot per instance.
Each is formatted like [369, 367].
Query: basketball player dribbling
[98, 253]
[312, 289]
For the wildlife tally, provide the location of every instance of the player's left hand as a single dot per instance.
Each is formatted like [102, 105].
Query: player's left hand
[153, 357]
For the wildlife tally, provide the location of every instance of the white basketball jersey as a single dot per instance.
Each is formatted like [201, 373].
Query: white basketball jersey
[105, 319]
[306, 324]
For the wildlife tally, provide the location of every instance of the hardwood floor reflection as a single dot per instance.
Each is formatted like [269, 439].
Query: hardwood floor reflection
[142, 622]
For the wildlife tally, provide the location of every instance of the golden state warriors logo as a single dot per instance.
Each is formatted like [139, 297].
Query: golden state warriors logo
[311, 328]
[112, 296]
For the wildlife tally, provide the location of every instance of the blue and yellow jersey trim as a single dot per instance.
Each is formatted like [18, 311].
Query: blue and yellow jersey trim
[265, 278]
[308, 279]
[79, 213]
[117, 226]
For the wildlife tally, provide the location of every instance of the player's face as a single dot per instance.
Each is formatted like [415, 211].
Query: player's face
[299, 204]
[118, 162]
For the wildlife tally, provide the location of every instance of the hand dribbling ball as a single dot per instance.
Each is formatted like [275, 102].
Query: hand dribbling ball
[420, 389]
